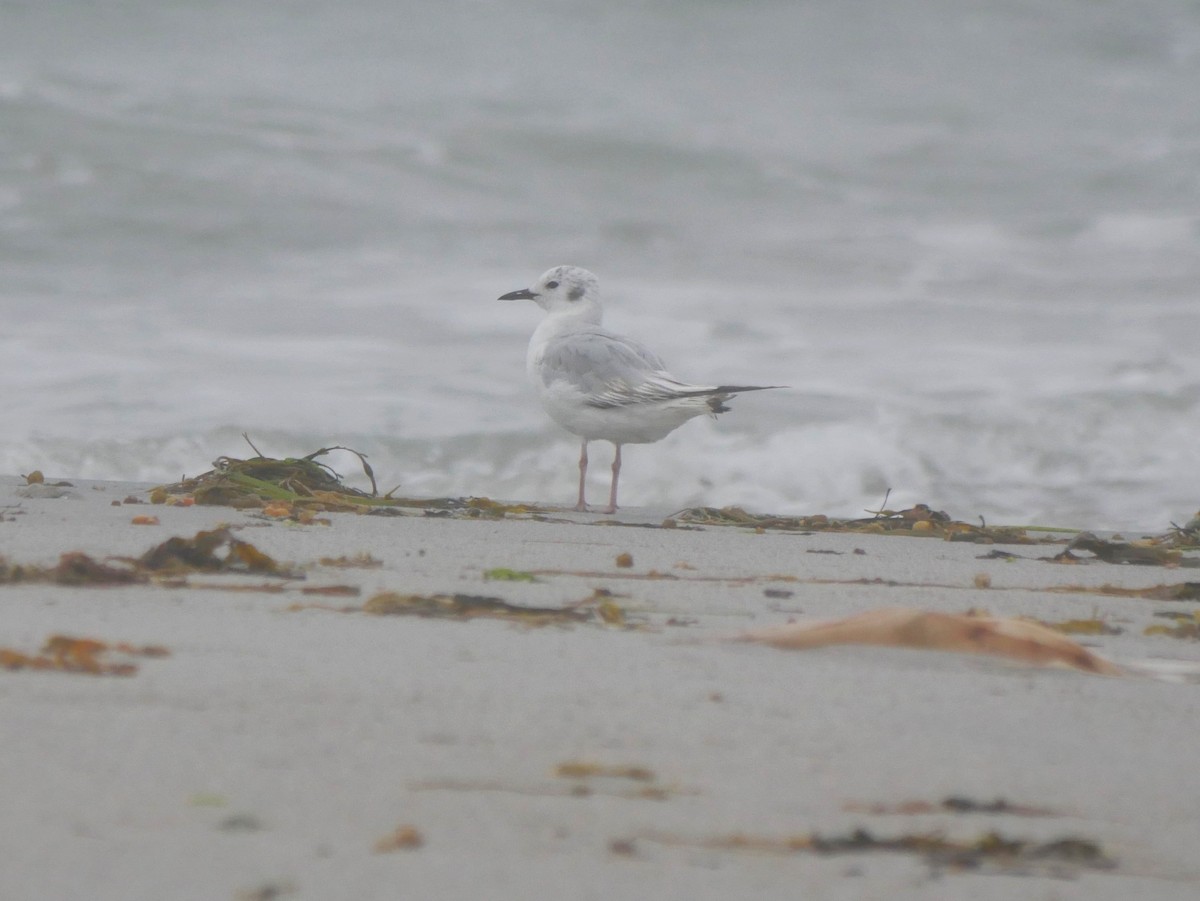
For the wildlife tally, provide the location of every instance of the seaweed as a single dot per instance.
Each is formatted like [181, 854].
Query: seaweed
[259, 481]
[1149, 552]
[1187, 626]
[1093, 626]
[73, 568]
[918, 521]
[958, 804]
[504, 574]
[584, 779]
[295, 487]
[361, 560]
[581, 773]
[211, 551]
[583, 769]
[990, 851]
[88, 656]
[1180, 591]
[469, 606]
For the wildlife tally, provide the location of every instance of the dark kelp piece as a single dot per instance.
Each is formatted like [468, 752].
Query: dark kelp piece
[989, 852]
[212, 551]
[73, 568]
[469, 606]
[958, 804]
[1147, 553]
[76, 568]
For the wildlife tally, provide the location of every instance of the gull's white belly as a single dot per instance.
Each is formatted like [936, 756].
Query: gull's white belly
[635, 423]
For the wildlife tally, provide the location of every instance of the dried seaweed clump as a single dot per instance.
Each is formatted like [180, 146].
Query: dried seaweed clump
[261, 480]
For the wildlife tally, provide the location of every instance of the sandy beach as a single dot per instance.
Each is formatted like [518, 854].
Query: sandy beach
[281, 742]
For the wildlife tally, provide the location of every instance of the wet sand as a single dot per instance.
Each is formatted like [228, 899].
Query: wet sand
[285, 738]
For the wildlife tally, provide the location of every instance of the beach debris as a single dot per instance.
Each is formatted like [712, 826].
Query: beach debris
[485, 506]
[1180, 591]
[333, 591]
[37, 478]
[1185, 536]
[144, 520]
[623, 847]
[295, 488]
[624, 560]
[241, 822]
[921, 521]
[610, 612]
[576, 780]
[167, 565]
[1187, 625]
[470, 606]
[952, 804]
[68, 654]
[585, 773]
[361, 560]
[998, 554]
[268, 891]
[1093, 626]
[45, 490]
[1146, 552]
[402, 838]
[989, 852]
[504, 574]
[215, 550]
[597, 608]
[75, 568]
[586, 769]
[1015, 639]
[261, 481]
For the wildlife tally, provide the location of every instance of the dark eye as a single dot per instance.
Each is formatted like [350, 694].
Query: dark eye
[551, 285]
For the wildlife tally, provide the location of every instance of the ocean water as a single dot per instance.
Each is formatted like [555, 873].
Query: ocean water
[966, 235]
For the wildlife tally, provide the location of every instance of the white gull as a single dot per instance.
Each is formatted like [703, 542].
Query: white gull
[600, 385]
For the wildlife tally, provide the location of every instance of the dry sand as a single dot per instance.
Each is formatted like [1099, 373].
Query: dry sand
[274, 749]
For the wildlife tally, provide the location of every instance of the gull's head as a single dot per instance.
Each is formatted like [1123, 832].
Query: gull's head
[564, 289]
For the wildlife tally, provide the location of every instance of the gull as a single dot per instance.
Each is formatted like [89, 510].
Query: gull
[602, 386]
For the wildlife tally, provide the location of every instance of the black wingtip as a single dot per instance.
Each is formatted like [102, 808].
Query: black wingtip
[739, 389]
[716, 402]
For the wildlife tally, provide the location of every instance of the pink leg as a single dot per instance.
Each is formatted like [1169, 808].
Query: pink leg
[612, 492]
[581, 505]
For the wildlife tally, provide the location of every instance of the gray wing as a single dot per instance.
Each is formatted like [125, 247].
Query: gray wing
[612, 371]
